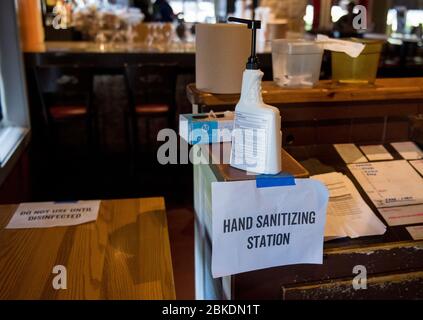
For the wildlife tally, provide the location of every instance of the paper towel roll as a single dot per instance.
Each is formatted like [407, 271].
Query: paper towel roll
[222, 51]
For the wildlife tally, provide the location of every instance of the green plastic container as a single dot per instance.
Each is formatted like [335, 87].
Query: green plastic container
[362, 69]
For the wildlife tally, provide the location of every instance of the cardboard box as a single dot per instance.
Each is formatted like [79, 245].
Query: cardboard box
[203, 128]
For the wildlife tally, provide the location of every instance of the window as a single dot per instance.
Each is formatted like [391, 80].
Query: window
[14, 119]
[1, 99]
[10, 135]
[413, 18]
[337, 11]
[308, 17]
[195, 10]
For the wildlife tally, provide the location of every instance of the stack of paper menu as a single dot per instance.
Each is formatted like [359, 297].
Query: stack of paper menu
[389, 183]
[347, 214]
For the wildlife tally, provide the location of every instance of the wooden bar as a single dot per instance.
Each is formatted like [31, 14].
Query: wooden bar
[125, 254]
[387, 89]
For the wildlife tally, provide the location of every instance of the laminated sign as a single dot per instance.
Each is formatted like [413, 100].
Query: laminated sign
[260, 224]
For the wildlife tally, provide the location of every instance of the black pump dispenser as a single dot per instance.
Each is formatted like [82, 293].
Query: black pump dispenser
[252, 63]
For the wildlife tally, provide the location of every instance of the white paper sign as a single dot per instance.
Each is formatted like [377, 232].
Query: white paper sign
[256, 228]
[53, 214]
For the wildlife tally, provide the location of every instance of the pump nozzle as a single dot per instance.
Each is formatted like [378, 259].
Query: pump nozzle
[252, 63]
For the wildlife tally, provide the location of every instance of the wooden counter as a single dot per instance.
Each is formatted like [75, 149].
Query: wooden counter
[330, 113]
[125, 254]
[114, 55]
[325, 91]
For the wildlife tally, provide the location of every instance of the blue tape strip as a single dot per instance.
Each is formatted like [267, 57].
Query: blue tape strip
[277, 180]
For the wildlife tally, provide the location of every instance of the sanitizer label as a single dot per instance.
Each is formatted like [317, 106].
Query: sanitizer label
[249, 142]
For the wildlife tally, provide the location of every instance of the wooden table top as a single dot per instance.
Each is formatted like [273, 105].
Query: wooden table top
[324, 91]
[125, 254]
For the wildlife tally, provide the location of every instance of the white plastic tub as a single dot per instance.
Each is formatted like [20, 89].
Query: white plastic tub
[296, 62]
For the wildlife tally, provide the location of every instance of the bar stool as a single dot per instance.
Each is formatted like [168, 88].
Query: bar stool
[66, 95]
[151, 91]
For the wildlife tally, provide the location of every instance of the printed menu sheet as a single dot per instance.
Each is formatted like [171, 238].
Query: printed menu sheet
[389, 183]
[376, 152]
[350, 153]
[348, 215]
[408, 150]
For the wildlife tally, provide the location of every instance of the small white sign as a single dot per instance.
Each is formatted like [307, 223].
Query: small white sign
[53, 214]
[256, 228]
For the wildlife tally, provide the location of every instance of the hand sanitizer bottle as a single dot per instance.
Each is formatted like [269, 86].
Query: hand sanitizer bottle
[257, 137]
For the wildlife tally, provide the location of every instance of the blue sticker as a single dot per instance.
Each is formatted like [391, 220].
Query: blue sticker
[277, 180]
[204, 132]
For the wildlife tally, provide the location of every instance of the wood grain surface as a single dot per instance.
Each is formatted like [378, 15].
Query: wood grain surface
[125, 254]
[325, 91]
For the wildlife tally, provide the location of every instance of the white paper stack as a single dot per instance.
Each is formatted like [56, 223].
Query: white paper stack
[347, 214]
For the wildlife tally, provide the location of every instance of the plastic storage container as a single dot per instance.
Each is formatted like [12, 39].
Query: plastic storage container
[362, 69]
[296, 62]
